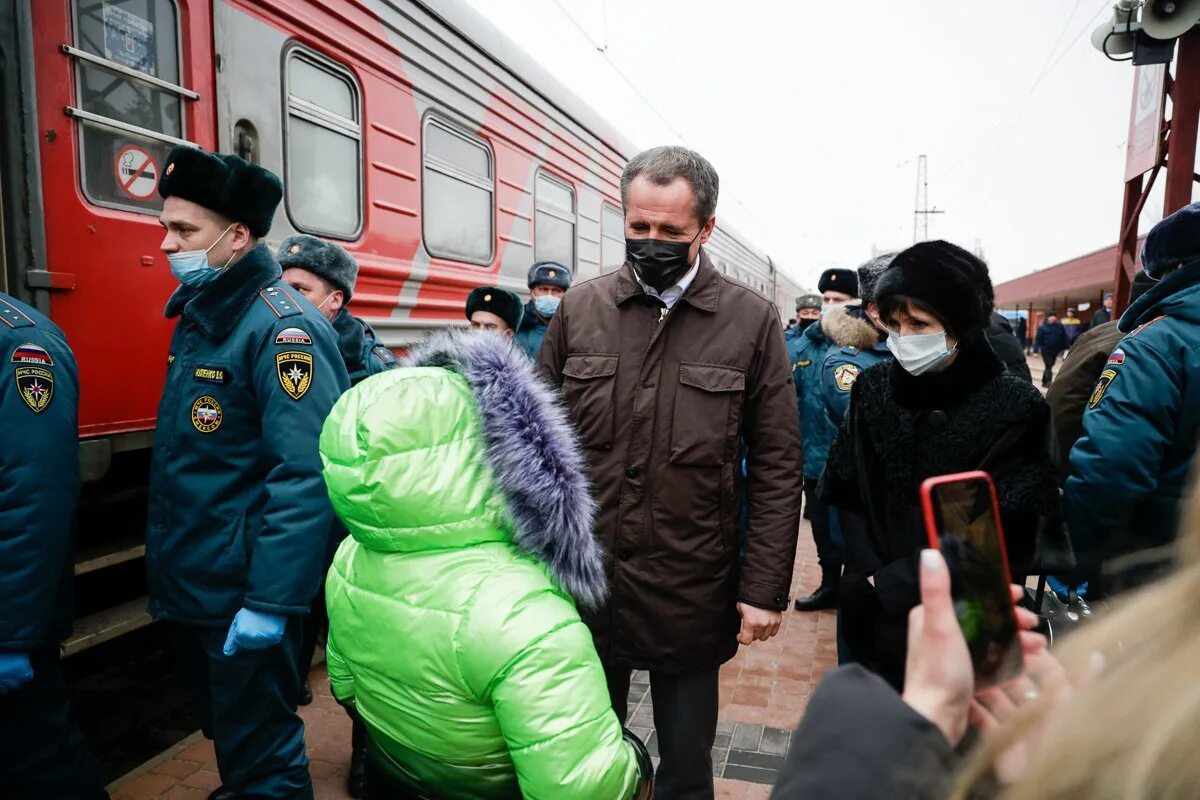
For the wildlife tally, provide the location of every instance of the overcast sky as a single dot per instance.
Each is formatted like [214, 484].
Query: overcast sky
[814, 114]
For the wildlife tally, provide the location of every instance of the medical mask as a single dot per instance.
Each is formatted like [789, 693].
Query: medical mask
[191, 267]
[919, 353]
[547, 304]
[831, 308]
[659, 264]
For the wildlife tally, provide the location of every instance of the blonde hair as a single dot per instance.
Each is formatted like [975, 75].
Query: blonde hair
[1131, 731]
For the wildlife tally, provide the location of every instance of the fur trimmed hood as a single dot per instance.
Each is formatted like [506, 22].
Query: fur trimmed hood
[534, 455]
[847, 330]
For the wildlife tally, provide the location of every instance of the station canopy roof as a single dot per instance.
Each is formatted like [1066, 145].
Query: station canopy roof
[1081, 280]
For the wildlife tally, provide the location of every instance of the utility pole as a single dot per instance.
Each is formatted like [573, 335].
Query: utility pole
[921, 209]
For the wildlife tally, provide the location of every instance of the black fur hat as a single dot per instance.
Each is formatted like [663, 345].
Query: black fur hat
[948, 279]
[233, 188]
[839, 280]
[550, 273]
[505, 305]
[321, 258]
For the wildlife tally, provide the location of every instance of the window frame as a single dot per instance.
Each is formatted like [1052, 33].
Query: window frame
[607, 206]
[328, 120]
[543, 173]
[78, 57]
[442, 167]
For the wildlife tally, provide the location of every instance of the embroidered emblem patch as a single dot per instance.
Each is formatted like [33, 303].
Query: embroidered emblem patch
[845, 375]
[218, 375]
[35, 385]
[805, 363]
[206, 414]
[295, 371]
[1106, 379]
[293, 336]
[170, 359]
[30, 353]
[1117, 358]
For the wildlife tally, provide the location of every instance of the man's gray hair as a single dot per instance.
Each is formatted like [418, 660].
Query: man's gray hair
[662, 165]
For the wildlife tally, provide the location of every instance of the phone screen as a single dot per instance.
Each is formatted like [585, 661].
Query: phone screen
[968, 534]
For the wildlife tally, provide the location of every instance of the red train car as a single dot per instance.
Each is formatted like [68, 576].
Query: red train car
[412, 133]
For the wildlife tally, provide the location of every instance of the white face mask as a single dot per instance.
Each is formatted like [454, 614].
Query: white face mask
[919, 353]
[830, 308]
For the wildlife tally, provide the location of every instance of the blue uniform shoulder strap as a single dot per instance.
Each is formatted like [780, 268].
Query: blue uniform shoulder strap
[13, 317]
[280, 301]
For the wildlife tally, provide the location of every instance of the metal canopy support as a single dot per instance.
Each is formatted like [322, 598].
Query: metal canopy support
[1180, 163]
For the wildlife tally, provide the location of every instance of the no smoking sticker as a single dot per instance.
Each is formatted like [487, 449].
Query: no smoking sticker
[136, 172]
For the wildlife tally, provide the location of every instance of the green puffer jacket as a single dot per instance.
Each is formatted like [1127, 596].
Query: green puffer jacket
[452, 625]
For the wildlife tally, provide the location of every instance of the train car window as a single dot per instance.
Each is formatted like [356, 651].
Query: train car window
[555, 223]
[323, 154]
[457, 188]
[612, 238]
[127, 73]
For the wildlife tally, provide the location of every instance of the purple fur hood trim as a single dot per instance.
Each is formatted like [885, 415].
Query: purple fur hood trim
[534, 455]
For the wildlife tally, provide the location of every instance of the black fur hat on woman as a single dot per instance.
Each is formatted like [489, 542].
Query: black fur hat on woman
[952, 282]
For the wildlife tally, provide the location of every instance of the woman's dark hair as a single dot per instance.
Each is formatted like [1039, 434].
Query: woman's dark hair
[893, 305]
[942, 279]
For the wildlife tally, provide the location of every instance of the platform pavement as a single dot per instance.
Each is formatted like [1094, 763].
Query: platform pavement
[763, 694]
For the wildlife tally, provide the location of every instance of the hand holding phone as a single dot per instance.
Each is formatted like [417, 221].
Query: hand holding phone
[962, 519]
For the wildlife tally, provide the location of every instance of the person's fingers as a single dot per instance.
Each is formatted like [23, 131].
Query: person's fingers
[1018, 592]
[997, 701]
[935, 588]
[1026, 619]
[1032, 644]
[1021, 690]
[746, 634]
[981, 719]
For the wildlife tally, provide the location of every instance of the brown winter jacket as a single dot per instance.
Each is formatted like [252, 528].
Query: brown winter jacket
[661, 404]
[1073, 386]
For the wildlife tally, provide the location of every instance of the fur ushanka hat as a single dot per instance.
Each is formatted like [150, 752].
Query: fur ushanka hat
[228, 185]
[324, 259]
[504, 304]
[949, 280]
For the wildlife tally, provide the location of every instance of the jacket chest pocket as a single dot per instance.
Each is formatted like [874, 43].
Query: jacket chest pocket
[588, 385]
[707, 414]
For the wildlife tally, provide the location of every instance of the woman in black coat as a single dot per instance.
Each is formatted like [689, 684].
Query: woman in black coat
[944, 405]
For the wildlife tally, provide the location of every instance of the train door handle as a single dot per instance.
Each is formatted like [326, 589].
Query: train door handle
[52, 281]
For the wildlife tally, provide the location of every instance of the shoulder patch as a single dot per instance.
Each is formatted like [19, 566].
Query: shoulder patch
[293, 336]
[1145, 325]
[30, 353]
[1106, 379]
[14, 317]
[35, 385]
[280, 301]
[844, 376]
[1117, 358]
[295, 372]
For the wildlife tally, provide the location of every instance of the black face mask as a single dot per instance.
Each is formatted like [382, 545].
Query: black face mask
[659, 263]
[804, 323]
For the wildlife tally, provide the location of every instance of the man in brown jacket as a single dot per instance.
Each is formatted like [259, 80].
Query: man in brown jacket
[667, 366]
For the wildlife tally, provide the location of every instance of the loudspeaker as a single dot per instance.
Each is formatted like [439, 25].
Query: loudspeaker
[1116, 38]
[1169, 19]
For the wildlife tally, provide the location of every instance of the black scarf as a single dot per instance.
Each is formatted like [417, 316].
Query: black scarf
[974, 366]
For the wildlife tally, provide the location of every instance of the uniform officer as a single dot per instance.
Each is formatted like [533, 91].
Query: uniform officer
[239, 523]
[42, 752]
[494, 310]
[326, 275]
[1130, 470]
[548, 282]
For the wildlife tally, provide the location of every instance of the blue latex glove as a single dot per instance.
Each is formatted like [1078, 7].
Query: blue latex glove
[15, 671]
[254, 630]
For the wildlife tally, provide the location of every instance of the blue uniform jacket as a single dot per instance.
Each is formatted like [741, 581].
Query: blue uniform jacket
[532, 331]
[362, 352]
[39, 478]
[238, 513]
[1129, 470]
[839, 371]
[807, 351]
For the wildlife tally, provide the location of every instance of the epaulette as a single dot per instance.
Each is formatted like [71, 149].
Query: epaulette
[280, 301]
[14, 317]
[1145, 325]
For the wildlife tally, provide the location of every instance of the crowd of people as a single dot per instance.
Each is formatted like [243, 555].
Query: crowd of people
[496, 530]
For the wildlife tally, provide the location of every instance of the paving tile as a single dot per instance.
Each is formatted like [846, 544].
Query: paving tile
[725, 726]
[722, 739]
[146, 787]
[775, 741]
[750, 774]
[180, 792]
[177, 767]
[746, 737]
[203, 779]
[652, 744]
[746, 758]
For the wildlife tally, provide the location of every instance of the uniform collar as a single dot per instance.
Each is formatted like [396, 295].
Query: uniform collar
[702, 294]
[1148, 306]
[218, 307]
[351, 335]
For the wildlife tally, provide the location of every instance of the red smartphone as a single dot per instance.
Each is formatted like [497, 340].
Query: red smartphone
[962, 519]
